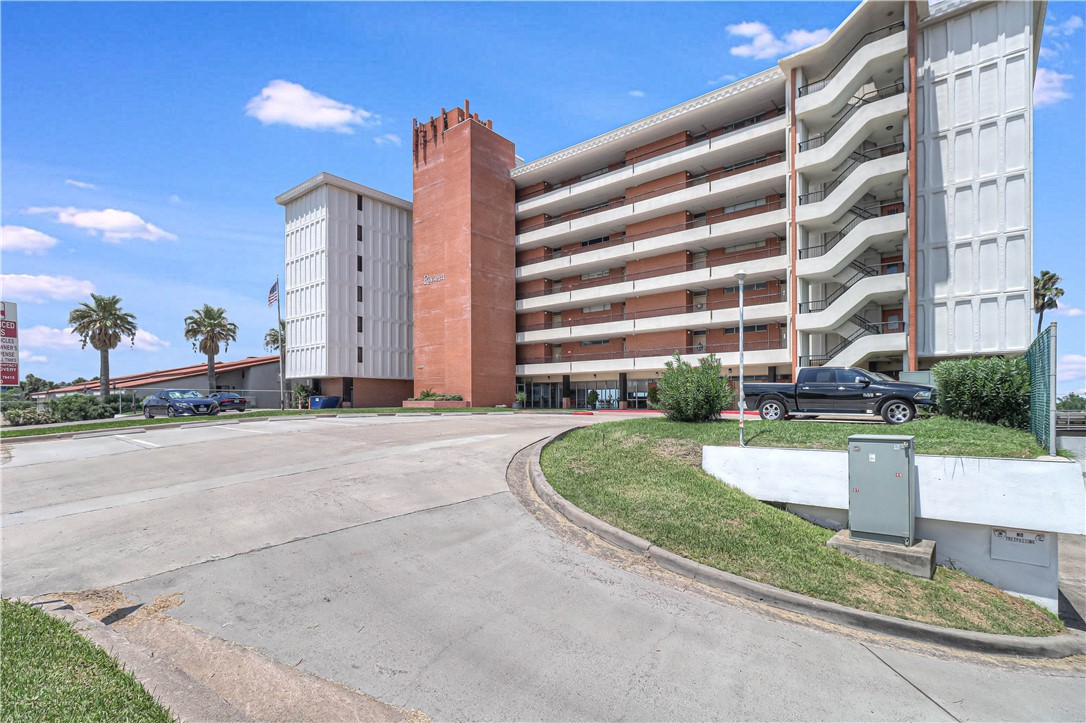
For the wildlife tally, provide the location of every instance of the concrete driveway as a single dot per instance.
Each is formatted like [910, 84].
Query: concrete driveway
[389, 554]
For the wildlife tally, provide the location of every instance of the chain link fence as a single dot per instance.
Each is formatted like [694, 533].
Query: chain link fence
[1041, 360]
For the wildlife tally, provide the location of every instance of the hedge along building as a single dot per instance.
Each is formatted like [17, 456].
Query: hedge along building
[876, 188]
[347, 291]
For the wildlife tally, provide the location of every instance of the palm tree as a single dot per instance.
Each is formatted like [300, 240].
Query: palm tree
[1046, 292]
[102, 324]
[274, 339]
[207, 328]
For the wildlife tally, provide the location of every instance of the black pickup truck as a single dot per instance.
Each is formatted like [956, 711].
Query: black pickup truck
[839, 390]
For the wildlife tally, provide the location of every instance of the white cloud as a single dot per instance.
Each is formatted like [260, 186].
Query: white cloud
[1049, 89]
[25, 240]
[175, 199]
[146, 341]
[637, 93]
[1063, 309]
[764, 43]
[31, 357]
[81, 184]
[49, 338]
[37, 289]
[113, 225]
[1070, 367]
[724, 79]
[294, 105]
[1063, 29]
[388, 139]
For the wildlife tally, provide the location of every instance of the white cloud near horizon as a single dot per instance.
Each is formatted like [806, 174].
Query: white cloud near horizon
[1064, 28]
[146, 341]
[764, 44]
[80, 184]
[1070, 367]
[1063, 309]
[636, 93]
[38, 289]
[285, 103]
[112, 224]
[1050, 88]
[25, 240]
[388, 139]
[31, 358]
[724, 79]
[46, 337]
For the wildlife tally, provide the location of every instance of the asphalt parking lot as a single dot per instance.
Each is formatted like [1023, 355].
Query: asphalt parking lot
[388, 554]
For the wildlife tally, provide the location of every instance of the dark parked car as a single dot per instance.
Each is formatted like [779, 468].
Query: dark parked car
[178, 403]
[839, 390]
[229, 400]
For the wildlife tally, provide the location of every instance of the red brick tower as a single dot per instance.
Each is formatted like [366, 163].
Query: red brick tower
[464, 259]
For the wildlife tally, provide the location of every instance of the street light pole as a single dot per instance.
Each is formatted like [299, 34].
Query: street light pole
[741, 275]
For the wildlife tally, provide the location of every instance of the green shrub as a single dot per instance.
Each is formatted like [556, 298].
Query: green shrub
[994, 390]
[429, 395]
[27, 415]
[78, 407]
[686, 393]
[593, 398]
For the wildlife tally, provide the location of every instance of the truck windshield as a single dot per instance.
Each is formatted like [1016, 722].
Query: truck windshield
[876, 376]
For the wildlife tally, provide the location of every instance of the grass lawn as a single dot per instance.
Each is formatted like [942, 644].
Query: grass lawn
[51, 673]
[139, 421]
[645, 476]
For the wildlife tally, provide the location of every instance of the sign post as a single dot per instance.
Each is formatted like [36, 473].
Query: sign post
[9, 344]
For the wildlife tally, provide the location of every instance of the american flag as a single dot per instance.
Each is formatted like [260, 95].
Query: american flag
[273, 293]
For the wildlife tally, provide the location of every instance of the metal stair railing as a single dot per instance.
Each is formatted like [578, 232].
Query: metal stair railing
[863, 272]
[878, 34]
[859, 216]
[817, 360]
[866, 99]
[856, 159]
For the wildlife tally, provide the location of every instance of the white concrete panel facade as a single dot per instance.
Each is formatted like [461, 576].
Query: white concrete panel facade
[975, 179]
[347, 284]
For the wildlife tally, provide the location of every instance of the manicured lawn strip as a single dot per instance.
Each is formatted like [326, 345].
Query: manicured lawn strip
[644, 476]
[50, 672]
[94, 425]
[936, 435]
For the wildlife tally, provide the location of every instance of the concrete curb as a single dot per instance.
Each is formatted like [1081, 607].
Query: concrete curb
[110, 432]
[1055, 646]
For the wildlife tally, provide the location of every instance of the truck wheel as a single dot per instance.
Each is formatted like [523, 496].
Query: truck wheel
[771, 409]
[898, 412]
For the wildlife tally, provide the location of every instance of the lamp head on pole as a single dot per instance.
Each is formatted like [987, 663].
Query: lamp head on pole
[741, 275]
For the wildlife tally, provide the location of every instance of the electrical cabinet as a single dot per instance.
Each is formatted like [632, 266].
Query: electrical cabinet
[882, 488]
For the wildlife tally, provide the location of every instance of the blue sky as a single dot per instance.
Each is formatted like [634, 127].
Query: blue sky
[143, 143]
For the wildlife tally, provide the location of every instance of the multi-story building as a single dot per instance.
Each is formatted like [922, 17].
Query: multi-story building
[875, 189]
[347, 291]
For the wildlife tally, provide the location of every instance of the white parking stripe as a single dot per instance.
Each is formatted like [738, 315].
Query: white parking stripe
[126, 438]
[243, 429]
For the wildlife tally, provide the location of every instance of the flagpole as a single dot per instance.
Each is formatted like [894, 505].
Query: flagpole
[282, 345]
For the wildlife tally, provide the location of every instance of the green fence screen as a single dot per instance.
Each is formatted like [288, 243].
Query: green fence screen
[1041, 359]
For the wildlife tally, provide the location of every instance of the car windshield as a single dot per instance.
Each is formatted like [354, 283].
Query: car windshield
[876, 376]
[184, 394]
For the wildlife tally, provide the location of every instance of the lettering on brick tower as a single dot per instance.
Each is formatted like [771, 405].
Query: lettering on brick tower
[427, 279]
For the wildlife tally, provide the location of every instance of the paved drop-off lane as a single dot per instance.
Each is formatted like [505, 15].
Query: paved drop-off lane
[390, 555]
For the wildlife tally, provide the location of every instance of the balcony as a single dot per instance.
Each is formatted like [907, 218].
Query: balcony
[758, 132]
[871, 284]
[774, 351]
[870, 113]
[726, 186]
[704, 315]
[709, 232]
[875, 53]
[862, 233]
[881, 167]
[695, 274]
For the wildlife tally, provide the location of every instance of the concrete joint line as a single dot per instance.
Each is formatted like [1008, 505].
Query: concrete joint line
[914, 685]
[1055, 646]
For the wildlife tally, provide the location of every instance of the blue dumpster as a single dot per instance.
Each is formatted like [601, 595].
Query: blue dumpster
[323, 402]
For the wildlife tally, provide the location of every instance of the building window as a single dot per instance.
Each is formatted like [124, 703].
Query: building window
[360, 203]
[360, 355]
[596, 342]
[359, 263]
[359, 232]
[594, 241]
[596, 275]
[759, 286]
[360, 325]
[747, 328]
[597, 307]
[746, 246]
[360, 295]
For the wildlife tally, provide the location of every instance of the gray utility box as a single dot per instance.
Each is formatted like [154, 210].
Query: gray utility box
[881, 488]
